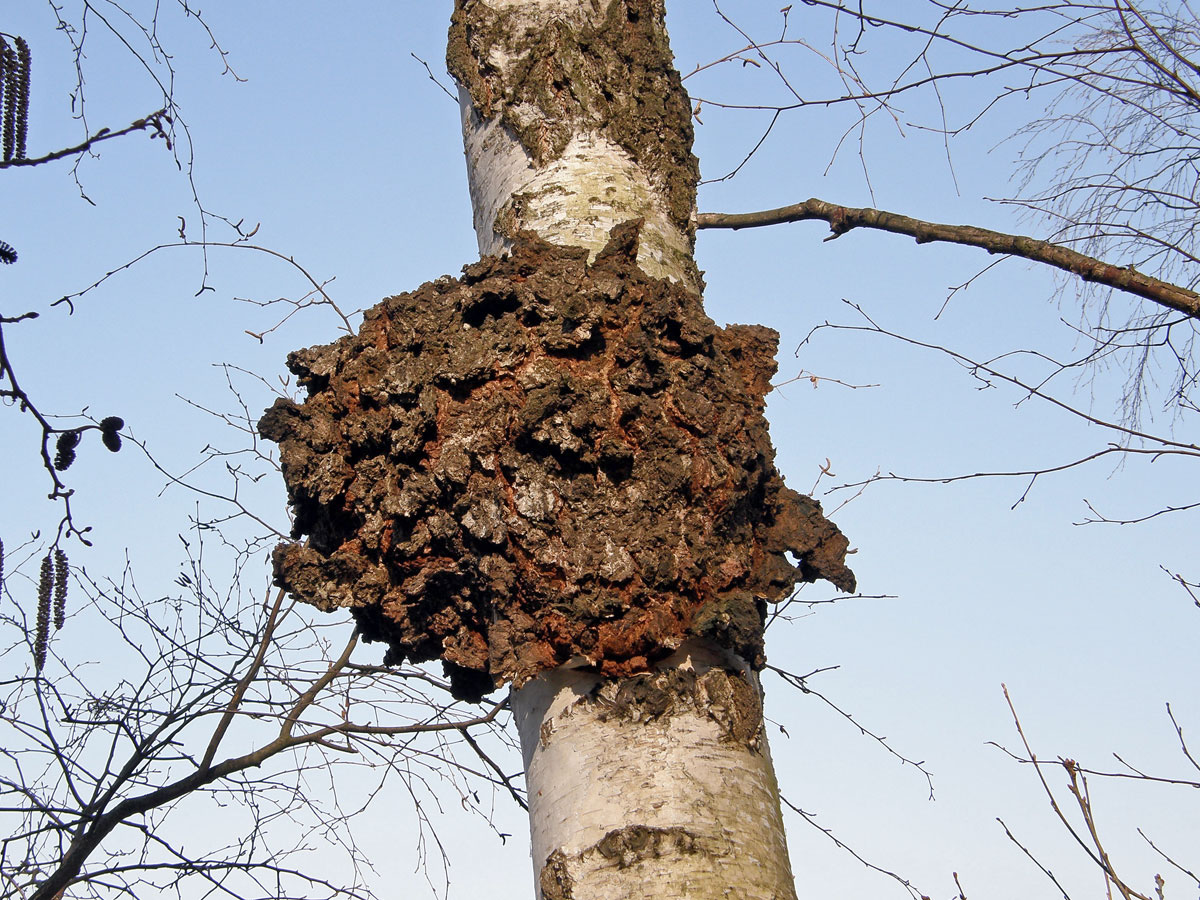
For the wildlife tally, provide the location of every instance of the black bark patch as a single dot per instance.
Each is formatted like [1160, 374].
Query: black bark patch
[584, 470]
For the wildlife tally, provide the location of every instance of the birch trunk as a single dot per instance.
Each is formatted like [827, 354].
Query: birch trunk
[657, 784]
[625, 802]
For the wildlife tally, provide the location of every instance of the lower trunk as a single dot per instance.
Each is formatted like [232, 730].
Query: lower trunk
[652, 785]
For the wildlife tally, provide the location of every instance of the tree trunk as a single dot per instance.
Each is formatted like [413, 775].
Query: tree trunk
[554, 472]
[574, 121]
[661, 784]
[652, 785]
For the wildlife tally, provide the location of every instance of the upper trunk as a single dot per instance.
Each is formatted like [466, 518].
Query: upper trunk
[574, 121]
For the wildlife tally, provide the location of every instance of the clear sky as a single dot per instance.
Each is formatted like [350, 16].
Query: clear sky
[350, 159]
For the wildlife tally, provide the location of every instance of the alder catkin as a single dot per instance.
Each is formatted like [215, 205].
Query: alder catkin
[42, 635]
[21, 122]
[61, 574]
[10, 80]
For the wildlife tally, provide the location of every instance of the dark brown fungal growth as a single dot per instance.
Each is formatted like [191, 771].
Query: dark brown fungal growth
[541, 462]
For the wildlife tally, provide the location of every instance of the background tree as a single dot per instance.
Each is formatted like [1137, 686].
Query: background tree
[1104, 170]
[190, 759]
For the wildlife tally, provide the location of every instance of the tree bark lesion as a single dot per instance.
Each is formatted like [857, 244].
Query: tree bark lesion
[725, 696]
[545, 461]
[555, 879]
[627, 846]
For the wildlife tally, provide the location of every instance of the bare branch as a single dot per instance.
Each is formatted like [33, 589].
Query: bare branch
[154, 122]
[842, 219]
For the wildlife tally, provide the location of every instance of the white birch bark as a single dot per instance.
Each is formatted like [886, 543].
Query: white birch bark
[677, 806]
[574, 202]
[672, 798]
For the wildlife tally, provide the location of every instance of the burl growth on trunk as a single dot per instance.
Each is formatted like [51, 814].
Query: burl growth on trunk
[544, 462]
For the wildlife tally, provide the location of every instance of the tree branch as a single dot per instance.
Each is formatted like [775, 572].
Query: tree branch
[153, 121]
[845, 218]
[103, 823]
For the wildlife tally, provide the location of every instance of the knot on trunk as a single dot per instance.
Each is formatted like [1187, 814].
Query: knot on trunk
[544, 462]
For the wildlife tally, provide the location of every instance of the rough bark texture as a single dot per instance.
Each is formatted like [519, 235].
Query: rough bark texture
[544, 462]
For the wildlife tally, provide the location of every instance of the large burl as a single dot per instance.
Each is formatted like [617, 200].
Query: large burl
[544, 462]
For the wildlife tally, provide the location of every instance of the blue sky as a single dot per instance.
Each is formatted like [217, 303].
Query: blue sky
[350, 159]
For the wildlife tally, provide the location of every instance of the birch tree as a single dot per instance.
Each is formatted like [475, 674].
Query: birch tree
[555, 474]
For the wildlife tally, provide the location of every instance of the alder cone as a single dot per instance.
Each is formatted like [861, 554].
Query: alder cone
[544, 462]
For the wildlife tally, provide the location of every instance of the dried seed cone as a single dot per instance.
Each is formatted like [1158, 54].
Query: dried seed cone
[108, 432]
[65, 449]
[8, 255]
